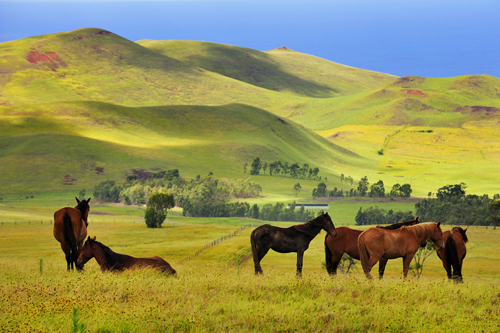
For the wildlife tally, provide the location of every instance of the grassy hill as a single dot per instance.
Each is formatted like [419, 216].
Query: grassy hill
[48, 145]
[76, 102]
[280, 69]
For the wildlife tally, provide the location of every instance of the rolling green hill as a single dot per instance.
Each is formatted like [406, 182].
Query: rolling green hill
[280, 69]
[56, 145]
[73, 103]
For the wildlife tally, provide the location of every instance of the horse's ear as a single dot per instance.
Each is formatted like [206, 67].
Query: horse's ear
[88, 238]
[77, 201]
[417, 220]
[88, 200]
[326, 213]
[93, 238]
[438, 224]
[466, 230]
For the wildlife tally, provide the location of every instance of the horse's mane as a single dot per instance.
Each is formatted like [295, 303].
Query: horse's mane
[82, 206]
[462, 232]
[114, 261]
[420, 230]
[311, 227]
[399, 224]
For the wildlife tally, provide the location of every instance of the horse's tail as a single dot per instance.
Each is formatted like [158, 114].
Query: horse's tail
[328, 257]
[364, 256]
[452, 255]
[69, 235]
[254, 247]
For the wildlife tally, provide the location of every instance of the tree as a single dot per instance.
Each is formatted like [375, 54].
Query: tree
[294, 170]
[264, 167]
[256, 166]
[156, 210]
[244, 167]
[342, 177]
[494, 211]
[297, 188]
[320, 191]
[420, 256]
[377, 190]
[405, 191]
[363, 186]
[395, 191]
[315, 172]
[451, 191]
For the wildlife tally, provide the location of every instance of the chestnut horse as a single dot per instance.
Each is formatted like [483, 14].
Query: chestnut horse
[285, 240]
[454, 252]
[112, 261]
[377, 243]
[70, 229]
[347, 242]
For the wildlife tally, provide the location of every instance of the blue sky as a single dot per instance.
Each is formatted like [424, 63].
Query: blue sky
[437, 38]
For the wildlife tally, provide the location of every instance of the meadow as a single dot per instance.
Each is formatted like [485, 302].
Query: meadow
[212, 292]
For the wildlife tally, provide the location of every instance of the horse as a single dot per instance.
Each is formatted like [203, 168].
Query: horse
[112, 261]
[454, 252]
[377, 243]
[70, 229]
[347, 242]
[285, 240]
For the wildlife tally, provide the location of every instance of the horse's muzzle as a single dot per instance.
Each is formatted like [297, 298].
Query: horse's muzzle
[441, 246]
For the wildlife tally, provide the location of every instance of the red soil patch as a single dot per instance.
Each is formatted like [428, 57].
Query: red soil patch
[414, 92]
[99, 170]
[35, 57]
[5, 104]
[141, 174]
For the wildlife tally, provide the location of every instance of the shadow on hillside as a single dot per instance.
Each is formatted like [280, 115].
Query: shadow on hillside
[259, 69]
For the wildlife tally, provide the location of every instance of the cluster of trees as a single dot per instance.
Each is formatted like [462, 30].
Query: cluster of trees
[377, 190]
[454, 206]
[284, 169]
[269, 212]
[137, 191]
[376, 215]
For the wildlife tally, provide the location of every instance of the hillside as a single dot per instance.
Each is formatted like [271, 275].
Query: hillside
[53, 146]
[281, 69]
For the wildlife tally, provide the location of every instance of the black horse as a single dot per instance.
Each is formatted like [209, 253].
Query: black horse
[286, 240]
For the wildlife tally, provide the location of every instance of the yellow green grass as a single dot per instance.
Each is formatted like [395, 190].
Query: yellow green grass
[212, 294]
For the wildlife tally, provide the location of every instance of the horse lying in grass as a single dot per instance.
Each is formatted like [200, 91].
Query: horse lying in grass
[377, 243]
[454, 252]
[347, 242]
[285, 240]
[70, 229]
[112, 261]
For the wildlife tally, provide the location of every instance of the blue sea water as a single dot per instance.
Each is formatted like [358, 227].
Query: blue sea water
[439, 38]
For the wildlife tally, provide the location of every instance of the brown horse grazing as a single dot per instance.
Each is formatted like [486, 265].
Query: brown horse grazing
[347, 242]
[70, 229]
[285, 240]
[377, 243]
[454, 252]
[112, 261]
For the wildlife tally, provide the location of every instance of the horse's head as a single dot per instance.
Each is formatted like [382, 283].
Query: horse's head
[84, 207]
[437, 237]
[328, 225]
[86, 254]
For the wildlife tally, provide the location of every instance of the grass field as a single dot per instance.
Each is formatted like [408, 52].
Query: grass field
[211, 293]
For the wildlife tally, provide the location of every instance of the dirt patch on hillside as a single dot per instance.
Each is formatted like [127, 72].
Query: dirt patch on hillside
[100, 33]
[49, 58]
[414, 92]
[487, 110]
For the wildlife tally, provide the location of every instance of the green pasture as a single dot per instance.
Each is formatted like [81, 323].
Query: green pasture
[212, 293]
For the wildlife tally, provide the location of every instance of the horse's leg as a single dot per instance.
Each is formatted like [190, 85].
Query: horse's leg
[371, 262]
[300, 258]
[261, 252]
[381, 267]
[67, 255]
[406, 263]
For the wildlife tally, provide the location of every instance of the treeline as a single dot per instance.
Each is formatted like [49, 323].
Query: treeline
[137, 191]
[269, 212]
[452, 206]
[279, 168]
[376, 190]
[375, 215]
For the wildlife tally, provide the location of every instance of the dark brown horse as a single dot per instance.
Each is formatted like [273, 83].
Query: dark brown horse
[347, 242]
[454, 252]
[377, 243]
[70, 229]
[112, 261]
[285, 240]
